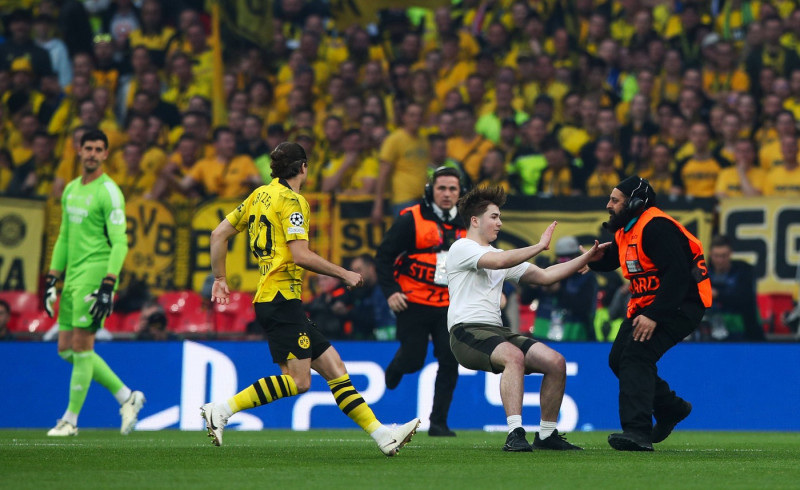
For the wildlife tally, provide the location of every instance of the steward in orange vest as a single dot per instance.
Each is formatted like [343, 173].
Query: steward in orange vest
[670, 291]
[411, 265]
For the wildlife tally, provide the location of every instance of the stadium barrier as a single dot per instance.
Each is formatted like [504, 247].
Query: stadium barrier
[732, 387]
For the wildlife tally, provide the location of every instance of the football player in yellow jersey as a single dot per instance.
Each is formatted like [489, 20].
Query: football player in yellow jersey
[276, 219]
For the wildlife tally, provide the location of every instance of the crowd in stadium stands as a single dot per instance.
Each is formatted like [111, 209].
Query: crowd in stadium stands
[542, 97]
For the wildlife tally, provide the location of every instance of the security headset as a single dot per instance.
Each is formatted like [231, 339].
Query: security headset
[636, 203]
[438, 173]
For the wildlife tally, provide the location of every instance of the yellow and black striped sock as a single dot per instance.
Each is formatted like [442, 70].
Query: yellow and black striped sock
[263, 391]
[352, 404]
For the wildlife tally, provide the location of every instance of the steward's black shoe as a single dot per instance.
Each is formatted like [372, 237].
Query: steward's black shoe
[554, 441]
[516, 442]
[667, 422]
[439, 430]
[630, 441]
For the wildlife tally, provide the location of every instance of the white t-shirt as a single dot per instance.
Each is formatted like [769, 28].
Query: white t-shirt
[475, 293]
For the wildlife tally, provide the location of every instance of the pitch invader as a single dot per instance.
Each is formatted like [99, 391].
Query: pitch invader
[91, 248]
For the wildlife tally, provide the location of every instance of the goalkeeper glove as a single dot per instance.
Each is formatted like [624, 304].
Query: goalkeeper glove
[50, 294]
[102, 297]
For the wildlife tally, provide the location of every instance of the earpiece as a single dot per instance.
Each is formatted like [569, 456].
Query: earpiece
[438, 173]
[636, 203]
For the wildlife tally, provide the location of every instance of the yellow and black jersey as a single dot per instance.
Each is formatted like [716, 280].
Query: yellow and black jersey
[274, 215]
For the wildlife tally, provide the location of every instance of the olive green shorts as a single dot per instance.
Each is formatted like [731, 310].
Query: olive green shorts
[473, 343]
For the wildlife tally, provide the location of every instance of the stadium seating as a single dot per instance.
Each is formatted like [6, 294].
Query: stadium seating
[773, 307]
[193, 322]
[179, 304]
[20, 302]
[123, 325]
[33, 323]
[232, 319]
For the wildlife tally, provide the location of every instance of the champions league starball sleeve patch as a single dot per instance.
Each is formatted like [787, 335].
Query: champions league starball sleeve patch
[296, 219]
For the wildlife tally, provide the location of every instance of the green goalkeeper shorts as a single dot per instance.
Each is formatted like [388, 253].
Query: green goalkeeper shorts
[74, 308]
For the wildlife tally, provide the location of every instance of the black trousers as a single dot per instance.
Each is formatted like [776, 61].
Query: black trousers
[642, 393]
[414, 326]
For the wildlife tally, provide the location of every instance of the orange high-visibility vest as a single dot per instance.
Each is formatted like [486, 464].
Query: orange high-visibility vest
[415, 270]
[639, 269]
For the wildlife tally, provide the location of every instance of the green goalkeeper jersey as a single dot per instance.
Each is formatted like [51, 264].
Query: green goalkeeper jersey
[92, 241]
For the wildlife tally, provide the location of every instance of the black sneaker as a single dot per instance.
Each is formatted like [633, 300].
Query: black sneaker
[629, 441]
[516, 442]
[554, 441]
[440, 430]
[667, 422]
[392, 377]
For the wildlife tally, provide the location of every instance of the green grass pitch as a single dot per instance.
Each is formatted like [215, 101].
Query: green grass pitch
[334, 459]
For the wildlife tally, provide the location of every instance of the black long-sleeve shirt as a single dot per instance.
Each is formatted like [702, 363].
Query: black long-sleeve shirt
[400, 239]
[670, 252]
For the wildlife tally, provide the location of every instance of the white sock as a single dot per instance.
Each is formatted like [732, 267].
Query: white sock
[546, 429]
[122, 395]
[514, 421]
[380, 434]
[70, 417]
[225, 408]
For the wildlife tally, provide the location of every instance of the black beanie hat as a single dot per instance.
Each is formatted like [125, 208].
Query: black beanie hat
[638, 187]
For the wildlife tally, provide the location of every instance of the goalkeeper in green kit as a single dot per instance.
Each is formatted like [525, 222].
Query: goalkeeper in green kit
[91, 247]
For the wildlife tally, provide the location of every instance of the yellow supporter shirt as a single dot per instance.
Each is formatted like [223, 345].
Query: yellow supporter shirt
[792, 104]
[782, 182]
[353, 179]
[224, 179]
[469, 154]
[141, 182]
[556, 183]
[451, 77]
[180, 97]
[661, 184]
[274, 215]
[5, 178]
[408, 156]
[728, 181]
[700, 177]
[573, 138]
[601, 183]
[736, 81]
[771, 156]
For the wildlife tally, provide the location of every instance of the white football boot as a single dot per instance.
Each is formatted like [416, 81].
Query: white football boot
[398, 437]
[130, 412]
[215, 422]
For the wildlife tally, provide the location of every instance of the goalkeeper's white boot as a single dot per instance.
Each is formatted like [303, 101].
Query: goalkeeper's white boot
[215, 422]
[130, 412]
[63, 429]
[397, 437]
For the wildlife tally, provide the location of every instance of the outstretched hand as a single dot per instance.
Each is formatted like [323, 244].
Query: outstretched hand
[594, 254]
[548, 235]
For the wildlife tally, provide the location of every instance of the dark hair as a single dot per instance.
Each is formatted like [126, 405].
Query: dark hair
[475, 202]
[40, 133]
[720, 241]
[287, 160]
[219, 131]
[7, 306]
[366, 258]
[94, 135]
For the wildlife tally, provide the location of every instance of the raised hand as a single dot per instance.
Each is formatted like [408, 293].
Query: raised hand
[548, 235]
